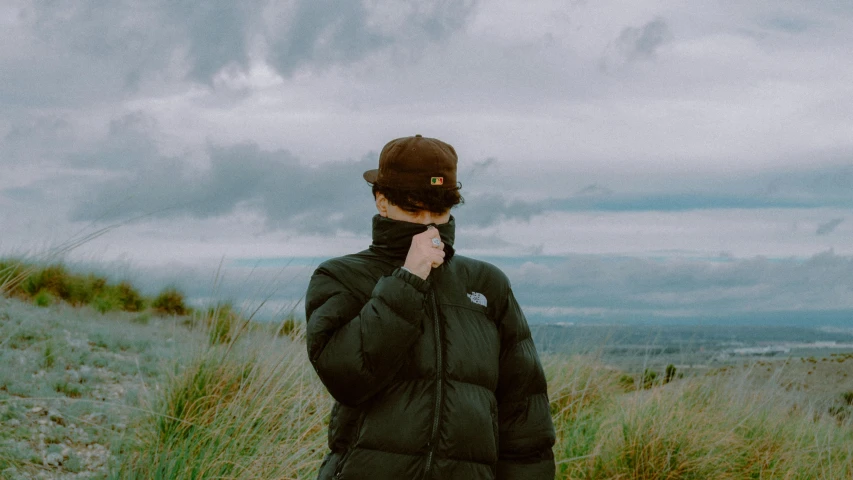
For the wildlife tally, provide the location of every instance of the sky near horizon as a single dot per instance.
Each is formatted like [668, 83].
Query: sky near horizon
[664, 157]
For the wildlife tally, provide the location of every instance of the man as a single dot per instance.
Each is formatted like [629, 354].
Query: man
[427, 354]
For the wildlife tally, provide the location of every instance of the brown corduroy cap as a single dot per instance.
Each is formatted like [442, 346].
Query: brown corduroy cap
[415, 163]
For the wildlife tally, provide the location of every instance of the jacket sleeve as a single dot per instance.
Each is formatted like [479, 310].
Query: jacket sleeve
[526, 431]
[356, 347]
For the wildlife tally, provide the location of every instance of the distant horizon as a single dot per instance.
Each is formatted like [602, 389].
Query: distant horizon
[280, 282]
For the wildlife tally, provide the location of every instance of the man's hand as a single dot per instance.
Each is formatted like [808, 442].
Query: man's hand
[424, 255]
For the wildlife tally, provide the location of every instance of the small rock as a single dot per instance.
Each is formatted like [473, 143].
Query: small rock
[72, 376]
[13, 422]
[56, 417]
[37, 410]
[53, 459]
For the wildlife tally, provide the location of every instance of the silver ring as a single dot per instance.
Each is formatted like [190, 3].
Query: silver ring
[436, 242]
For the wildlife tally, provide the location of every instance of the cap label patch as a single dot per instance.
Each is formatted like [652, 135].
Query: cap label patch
[437, 181]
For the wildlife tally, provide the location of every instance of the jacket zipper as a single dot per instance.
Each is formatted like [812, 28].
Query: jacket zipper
[339, 468]
[439, 374]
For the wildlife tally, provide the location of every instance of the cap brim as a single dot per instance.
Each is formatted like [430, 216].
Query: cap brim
[371, 175]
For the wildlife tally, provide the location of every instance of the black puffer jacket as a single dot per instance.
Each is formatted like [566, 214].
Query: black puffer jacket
[435, 379]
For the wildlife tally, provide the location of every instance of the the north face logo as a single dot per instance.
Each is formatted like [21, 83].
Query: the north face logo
[478, 298]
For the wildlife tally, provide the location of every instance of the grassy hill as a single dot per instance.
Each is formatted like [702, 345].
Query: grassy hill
[118, 394]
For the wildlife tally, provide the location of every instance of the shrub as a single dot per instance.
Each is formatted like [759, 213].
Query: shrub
[53, 278]
[105, 302]
[170, 301]
[128, 297]
[669, 374]
[43, 299]
[84, 289]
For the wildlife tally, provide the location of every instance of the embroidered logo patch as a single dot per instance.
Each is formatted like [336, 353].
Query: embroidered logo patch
[437, 181]
[478, 298]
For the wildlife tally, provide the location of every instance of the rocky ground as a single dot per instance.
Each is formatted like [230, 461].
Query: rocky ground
[70, 382]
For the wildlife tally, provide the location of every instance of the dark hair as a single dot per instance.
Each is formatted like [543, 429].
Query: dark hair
[434, 199]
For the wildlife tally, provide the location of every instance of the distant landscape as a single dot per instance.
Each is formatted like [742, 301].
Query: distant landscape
[692, 346]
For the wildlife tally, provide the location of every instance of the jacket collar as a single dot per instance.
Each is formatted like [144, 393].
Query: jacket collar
[392, 238]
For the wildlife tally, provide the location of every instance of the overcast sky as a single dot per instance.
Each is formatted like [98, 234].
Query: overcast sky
[648, 156]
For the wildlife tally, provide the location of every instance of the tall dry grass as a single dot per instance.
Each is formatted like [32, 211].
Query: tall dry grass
[721, 427]
[244, 411]
[248, 409]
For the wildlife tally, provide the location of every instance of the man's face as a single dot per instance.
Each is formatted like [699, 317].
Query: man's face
[424, 217]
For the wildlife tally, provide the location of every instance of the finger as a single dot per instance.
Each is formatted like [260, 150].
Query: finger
[437, 256]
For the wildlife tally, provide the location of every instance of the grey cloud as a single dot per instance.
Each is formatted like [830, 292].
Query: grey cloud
[636, 44]
[481, 167]
[828, 185]
[483, 210]
[789, 24]
[23, 194]
[36, 138]
[286, 192]
[217, 32]
[325, 32]
[213, 34]
[94, 50]
[703, 287]
[36, 129]
[643, 42]
[829, 226]
[594, 190]
[128, 143]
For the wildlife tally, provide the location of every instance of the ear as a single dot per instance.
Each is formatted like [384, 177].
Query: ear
[382, 205]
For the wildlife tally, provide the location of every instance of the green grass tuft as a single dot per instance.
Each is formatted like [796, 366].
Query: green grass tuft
[223, 323]
[48, 355]
[44, 299]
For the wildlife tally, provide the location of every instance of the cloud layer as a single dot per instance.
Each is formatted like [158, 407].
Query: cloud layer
[644, 134]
